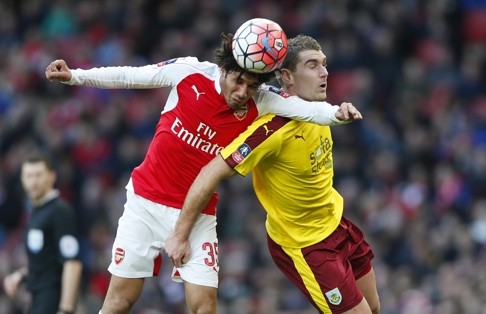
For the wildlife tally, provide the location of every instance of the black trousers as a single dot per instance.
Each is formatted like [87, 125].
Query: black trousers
[45, 301]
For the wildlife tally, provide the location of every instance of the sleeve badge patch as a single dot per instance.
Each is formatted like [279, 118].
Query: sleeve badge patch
[161, 64]
[278, 91]
[241, 153]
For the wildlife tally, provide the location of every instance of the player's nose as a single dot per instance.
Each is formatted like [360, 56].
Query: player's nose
[242, 91]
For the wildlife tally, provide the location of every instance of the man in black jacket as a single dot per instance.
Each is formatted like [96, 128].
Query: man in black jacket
[54, 270]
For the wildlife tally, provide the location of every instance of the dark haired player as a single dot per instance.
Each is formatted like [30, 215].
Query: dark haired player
[208, 106]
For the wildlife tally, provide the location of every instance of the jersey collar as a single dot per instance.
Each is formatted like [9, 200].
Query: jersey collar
[47, 198]
[217, 79]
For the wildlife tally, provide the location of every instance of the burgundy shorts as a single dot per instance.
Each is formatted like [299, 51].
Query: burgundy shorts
[326, 272]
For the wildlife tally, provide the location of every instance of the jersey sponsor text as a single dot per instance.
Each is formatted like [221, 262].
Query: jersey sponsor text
[195, 140]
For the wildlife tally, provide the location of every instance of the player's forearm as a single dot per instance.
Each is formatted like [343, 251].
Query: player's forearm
[197, 198]
[200, 193]
[71, 278]
[117, 77]
[293, 107]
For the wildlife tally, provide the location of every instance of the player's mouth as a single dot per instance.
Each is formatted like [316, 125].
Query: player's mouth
[238, 102]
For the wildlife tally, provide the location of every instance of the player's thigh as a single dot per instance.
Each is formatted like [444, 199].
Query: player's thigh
[361, 308]
[142, 229]
[367, 285]
[200, 299]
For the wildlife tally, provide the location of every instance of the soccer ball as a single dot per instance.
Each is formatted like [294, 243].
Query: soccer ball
[259, 45]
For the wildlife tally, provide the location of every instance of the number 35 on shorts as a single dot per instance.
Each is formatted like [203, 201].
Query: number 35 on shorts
[212, 255]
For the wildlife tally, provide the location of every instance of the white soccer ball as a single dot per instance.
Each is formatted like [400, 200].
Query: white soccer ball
[259, 45]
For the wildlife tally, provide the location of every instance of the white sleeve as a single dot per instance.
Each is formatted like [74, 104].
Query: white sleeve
[167, 73]
[270, 99]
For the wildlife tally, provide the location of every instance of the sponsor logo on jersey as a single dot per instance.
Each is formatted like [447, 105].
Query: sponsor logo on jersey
[68, 246]
[119, 255]
[301, 136]
[267, 130]
[334, 296]
[201, 139]
[320, 158]
[161, 64]
[194, 88]
[35, 240]
[278, 91]
[241, 153]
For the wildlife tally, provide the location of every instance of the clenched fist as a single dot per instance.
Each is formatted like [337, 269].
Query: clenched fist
[58, 71]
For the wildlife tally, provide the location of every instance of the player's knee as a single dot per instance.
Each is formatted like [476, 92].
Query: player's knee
[208, 307]
[117, 305]
[205, 310]
[375, 307]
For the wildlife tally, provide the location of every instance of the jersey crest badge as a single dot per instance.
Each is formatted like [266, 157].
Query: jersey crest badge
[240, 114]
[334, 296]
[119, 255]
[241, 153]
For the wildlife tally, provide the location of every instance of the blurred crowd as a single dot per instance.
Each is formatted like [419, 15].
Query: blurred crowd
[412, 173]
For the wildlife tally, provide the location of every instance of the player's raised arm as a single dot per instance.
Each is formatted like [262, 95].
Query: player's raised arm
[274, 100]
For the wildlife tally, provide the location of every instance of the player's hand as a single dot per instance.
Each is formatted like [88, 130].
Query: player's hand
[178, 250]
[348, 112]
[59, 71]
[11, 284]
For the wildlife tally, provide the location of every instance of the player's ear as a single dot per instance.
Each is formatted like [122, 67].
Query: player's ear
[52, 177]
[285, 76]
[223, 72]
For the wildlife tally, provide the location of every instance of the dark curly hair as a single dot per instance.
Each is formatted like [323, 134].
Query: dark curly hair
[223, 56]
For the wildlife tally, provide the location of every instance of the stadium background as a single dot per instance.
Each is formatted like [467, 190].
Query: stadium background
[413, 172]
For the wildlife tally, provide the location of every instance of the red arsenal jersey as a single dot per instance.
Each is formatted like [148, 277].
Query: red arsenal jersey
[194, 129]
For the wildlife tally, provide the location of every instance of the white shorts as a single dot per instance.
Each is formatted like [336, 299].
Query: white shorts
[142, 231]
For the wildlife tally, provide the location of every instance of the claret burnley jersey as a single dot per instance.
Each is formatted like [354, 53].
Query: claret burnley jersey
[292, 176]
[196, 123]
